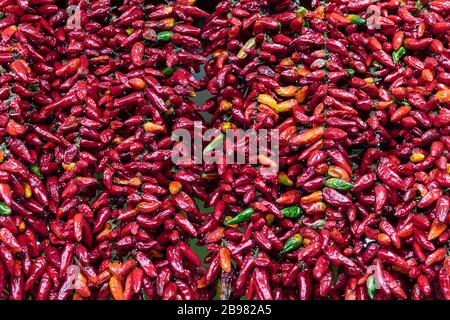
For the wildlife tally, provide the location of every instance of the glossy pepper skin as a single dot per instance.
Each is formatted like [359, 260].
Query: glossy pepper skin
[352, 204]
[292, 212]
[338, 184]
[292, 243]
[244, 215]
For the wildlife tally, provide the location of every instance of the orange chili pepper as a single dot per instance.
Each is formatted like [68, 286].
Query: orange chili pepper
[225, 259]
[116, 288]
[338, 172]
[175, 187]
[137, 83]
[301, 94]
[81, 287]
[290, 197]
[307, 136]
[436, 229]
[316, 196]
[214, 235]
[288, 91]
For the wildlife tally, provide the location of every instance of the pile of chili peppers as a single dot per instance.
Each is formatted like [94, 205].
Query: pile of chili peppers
[92, 206]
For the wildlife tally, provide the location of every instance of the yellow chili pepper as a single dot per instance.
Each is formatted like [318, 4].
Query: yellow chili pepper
[68, 166]
[226, 126]
[417, 157]
[225, 105]
[175, 187]
[27, 190]
[267, 100]
[248, 45]
[286, 106]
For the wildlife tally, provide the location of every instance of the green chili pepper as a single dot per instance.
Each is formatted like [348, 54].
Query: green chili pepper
[279, 26]
[357, 20]
[350, 71]
[164, 36]
[318, 224]
[300, 12]
[168, 71]
[292, 212]
[37, 171]
[2, 15]
[334, 273]
[338, 184]
[5, 210]
[292, 243]
[371, 286]
[284, 179]
[214, 143]
[397, 55]
[244, 215]
[419, 5]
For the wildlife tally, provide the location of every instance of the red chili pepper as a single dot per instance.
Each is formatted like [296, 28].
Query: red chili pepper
[146, 265]
[387, 228]
[38, 269]
[44, 288]
[262, 284]
[9, 240]
[38, 189]
[444, 282]
[389, 177]
[436, 256]
[137, 53]
[392, 258]
[174, 257]
[66, 258]
[212, 271]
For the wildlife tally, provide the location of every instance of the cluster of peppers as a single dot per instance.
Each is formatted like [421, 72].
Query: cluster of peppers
[355, 207]
[359, 93]
[91, 202]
